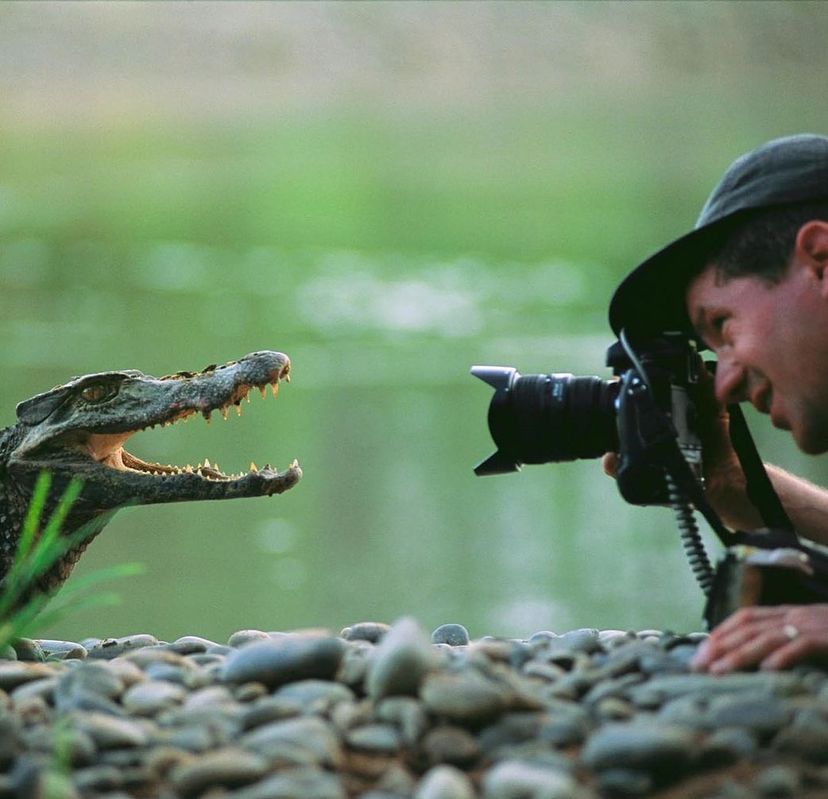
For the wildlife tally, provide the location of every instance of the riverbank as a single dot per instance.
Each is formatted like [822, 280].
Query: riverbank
[388, 712]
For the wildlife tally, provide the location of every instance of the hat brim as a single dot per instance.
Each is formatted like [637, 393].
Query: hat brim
[651, 299]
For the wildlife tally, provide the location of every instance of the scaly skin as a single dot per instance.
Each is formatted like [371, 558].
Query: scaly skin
[78, 430]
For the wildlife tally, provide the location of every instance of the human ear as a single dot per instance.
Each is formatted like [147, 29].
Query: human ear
[811, 248]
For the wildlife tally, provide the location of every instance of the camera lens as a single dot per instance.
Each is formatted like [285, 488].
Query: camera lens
[547, 418]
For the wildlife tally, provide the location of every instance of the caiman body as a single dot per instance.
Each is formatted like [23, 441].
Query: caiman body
[78, 429]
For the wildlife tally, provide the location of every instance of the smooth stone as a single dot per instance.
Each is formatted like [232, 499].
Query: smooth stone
[464, 696]
[270, 708]
[44, 688]
[621, 782]
[660, 749]
[62, 650]
[806, 737]
[208, 696]
[302, 741]
[96, 779]
[247, 692]
[190, 645]
[114, 647]
[406, 713]
[72, 745]
[230, 767]
[242, 637]
[760, 714]
[152, 696]
[514, 779]
[379, 738]
[294, 783]
[451, 745]
[726, 746]
[400, 661]
[109, 732]
[371, 631]
[451, 634]
[778, 782]
[444, 782]
[28, 650]
[174, 673]
[88, 678]
[316, 696]
[275, 662]
[9, 732]
[14, 673]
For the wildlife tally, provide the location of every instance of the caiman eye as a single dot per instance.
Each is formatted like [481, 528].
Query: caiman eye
[98, 392]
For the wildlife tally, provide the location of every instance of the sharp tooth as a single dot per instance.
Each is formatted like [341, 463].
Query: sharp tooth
[287, 377]
[188, 469]
[274, 389]
[253, 467]
[207, 463]
[224, 412]
[206, 415]
[263, 392]
[216, 467]
[238, 410]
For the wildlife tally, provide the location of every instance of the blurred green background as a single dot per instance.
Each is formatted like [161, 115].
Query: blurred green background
[389, 193]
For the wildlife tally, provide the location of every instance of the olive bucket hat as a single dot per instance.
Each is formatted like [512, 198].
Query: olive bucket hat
[784, 171]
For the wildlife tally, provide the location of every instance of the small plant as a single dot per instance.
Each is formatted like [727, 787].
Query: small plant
[21, 608]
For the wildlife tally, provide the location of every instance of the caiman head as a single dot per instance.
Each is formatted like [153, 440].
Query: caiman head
[79, 430]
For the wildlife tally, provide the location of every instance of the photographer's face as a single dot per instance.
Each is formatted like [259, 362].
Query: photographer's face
[772, 346]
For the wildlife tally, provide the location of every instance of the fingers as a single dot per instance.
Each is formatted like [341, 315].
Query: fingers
[768, 637]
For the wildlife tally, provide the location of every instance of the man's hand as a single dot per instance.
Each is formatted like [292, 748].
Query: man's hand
[775, 637]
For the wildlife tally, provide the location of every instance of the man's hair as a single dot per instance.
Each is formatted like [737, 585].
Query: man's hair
[760, 245]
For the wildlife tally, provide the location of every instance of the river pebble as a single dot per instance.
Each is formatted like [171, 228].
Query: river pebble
[389, 711]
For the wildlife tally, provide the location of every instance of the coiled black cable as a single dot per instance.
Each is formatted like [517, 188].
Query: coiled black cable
[690, 538]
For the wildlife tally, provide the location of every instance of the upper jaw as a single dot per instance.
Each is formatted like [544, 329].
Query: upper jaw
[91, 450]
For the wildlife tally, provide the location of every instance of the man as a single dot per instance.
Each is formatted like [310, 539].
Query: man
[751, 283]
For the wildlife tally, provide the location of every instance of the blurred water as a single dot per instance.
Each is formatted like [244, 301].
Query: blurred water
[389, 518]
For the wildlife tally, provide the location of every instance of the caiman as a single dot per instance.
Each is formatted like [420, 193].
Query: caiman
[78, 430]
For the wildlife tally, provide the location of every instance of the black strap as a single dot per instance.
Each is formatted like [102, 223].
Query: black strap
[760, 490]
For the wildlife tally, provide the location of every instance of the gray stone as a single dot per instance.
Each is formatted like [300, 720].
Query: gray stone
[316, 696]
[451, 634]
[294, 783]
[400, 661]
[778, 782]
[663, 750]
[450, 744]
[372, 631]
[152, 696]
[115, 647]
[242, 637]
[465, 695]
[302, 741]
[517, 779]
[109, 732]
[444, 782]
[14, 673]
[378, 738]
[62, 650]
[275, 662]
[406, 713]
[230, 767]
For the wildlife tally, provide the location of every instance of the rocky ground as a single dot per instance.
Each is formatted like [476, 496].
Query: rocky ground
[386, 713]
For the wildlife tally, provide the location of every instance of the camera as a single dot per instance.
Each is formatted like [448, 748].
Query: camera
[642, 412]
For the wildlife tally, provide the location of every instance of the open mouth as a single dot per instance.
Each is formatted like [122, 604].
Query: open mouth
[107, 449]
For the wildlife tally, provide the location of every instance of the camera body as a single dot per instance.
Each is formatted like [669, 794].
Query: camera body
[647, 407]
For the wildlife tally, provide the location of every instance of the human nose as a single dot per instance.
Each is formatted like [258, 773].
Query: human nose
[730, 385]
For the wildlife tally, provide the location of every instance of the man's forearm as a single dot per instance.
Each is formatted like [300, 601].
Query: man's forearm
[805, 503]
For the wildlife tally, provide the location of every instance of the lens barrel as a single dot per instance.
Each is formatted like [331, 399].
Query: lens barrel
[547, 418]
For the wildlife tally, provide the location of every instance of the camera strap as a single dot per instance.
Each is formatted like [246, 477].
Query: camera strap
[760, 490]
